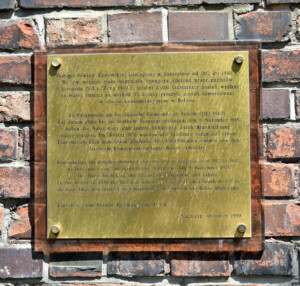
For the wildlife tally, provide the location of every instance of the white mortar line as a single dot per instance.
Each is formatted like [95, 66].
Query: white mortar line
[292, 106]
[165, 27]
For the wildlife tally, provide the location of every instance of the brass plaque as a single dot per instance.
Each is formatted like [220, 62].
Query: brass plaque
[148, 145]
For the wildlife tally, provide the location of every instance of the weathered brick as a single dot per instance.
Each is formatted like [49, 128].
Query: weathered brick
[278, 180]
[73, 31]
[76, 265]
[298, 28]
[135, 27]
[276, 260]
[18, 34]
[199, 264]
[193, 2]
[27, 146]
[14, 182]
[282, 219]
[283, 143]
[20, 263]
[22, 226]
[298, 105]
[281, 66]
[7, 4]
[15, 70]
[14, 106]
[40, 4]
[136, 264]
[271, 26]
[8, 143]
[1, 217]
[195, 26]
[276, 103]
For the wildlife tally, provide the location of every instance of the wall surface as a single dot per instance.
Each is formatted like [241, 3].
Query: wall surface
[27, 24]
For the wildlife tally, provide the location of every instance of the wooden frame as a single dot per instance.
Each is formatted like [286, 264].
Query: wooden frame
[106, 245]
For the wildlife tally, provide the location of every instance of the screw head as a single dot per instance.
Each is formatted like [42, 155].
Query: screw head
[56, 63]
[55, 229]
[239, 59]
[242, 228]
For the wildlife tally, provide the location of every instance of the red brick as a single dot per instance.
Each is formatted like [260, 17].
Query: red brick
[278, 180]
[39, 4]
[21, 227]
[8, 144]
[298, 105]
[135, 27]
[283, 143]
[73, 31]
[7, 4]
[14, 106]
[76, 265]
[136, 264]
[281, 66]
[272, 26]
[20, 263]
[15, 182]
[15, 70]
[282, 219]
[190, 264]
[18, 34]
[275, 260]
[276, 103]
[195, 26]
[1, 218]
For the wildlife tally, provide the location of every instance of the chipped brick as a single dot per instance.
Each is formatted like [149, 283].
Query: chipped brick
[14, 182]
[8, 144]
[21, 228]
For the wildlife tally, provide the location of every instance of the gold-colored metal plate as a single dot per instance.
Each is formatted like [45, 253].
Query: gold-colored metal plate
[148, 145]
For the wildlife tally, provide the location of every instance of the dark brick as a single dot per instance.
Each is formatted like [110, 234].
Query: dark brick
[278, 180]
[14, 182]
[20, 263]
[15, 70]
[283, 143]
[195, 26]
[275, 260]
[17, 34]
[281, 66]
[199, 264]
[276, 103]
[272, 26]
[298, 105]
[27, 146]
[14, 106]
[76, 265]
[8, 144]
[282, 219]
[136, 264]
[7, 4]
[73, 31]
[40, 4]
[21, 228]
[135, 27]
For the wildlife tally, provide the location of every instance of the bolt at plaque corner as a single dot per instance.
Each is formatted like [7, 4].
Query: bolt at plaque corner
[242, 228]
[55, 229]
[239, 59]
[56, 63]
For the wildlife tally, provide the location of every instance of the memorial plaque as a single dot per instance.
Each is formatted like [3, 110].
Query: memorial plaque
[148, 145]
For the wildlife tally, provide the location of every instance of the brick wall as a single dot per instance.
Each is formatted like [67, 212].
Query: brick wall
[25, 24]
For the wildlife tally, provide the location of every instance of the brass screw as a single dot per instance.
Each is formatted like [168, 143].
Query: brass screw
[239, 59]
[242, 228]
[56, 63]
[55, 229]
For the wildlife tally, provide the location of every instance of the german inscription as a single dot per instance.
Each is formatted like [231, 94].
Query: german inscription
[148, 145]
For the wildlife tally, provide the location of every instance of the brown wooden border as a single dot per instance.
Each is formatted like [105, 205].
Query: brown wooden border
[106, 245]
